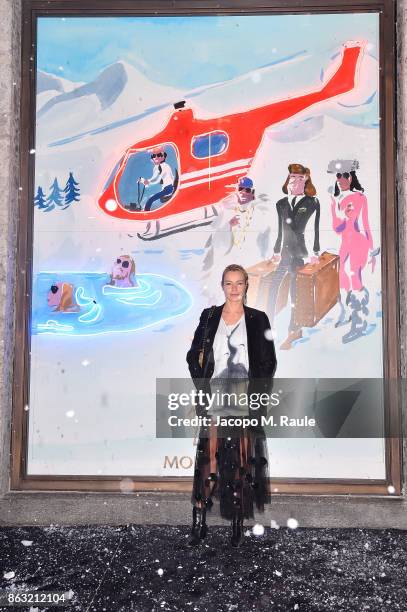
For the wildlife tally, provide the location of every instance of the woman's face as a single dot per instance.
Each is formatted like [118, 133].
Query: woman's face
[234, 286]
[296, 183]
[344, 180]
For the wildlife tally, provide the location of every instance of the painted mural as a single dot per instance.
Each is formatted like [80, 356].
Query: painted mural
[184, 145]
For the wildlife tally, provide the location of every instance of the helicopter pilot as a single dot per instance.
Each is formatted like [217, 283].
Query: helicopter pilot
[162, 173]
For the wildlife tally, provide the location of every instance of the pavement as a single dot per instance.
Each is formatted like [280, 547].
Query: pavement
[150, 568]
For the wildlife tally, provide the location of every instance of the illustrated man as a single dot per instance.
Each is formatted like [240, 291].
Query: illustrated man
[294, 212]
[162, 173]
[231, 224]
[245, 190]
[240, 201]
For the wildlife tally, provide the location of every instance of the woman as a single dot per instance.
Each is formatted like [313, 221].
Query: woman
[348, 205]
[294, 212]
[232, 346]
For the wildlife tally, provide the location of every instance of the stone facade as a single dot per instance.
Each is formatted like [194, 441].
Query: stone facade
[36, 508]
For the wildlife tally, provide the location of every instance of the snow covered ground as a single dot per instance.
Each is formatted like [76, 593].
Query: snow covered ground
[142, 568]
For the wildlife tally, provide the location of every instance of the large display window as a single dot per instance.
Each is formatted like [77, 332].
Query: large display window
[143, 127]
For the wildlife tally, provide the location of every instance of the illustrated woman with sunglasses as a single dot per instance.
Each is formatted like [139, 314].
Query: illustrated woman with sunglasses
[162, 173]
[123, 272]
[348, 205]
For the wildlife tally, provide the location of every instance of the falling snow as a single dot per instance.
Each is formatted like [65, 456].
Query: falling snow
[258, 529]
[292, 523]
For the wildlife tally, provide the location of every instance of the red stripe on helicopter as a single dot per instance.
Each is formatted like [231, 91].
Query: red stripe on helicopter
[238, 163]
[211, 178]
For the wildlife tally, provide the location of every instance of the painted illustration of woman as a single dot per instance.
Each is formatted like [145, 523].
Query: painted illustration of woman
[61, 298]
[123, 272]
[348, 204]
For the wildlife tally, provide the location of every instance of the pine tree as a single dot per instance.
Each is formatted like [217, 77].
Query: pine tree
[71, 190]
[39, 199]
[54, 197]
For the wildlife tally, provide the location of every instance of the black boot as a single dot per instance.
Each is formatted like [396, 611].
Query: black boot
[237, 531]
[199, 527]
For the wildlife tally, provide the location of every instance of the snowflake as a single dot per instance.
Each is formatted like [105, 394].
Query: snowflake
[268, 334]
[258, 529]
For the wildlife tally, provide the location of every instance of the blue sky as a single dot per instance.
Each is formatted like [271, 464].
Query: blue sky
[187, 52]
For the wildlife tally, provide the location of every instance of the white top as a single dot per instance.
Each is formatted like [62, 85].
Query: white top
[230, 350]
[231, 362]
[297, 199]
[166, 175]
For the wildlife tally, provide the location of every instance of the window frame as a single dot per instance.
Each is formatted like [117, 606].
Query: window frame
[194, 139]
[32, 9]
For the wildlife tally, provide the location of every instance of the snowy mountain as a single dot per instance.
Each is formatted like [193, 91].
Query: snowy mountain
[50, 82]
[86, 130]
[107, 87]
[122, 95]
[50, 86]
[118, 90]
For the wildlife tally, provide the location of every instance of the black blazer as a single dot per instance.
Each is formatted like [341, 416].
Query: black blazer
[261, 352]
[292, 233]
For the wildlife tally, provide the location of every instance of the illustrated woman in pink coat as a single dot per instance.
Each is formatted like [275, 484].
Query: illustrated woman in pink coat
[349, 208]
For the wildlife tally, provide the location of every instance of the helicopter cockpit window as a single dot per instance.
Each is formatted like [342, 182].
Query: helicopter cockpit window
[113, 174]
[208, 145]
[134, 195]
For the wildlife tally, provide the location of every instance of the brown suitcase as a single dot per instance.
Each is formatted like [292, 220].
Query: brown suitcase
[317, 290]
[258, 295]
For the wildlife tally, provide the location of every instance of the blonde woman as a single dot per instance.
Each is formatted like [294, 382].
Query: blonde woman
[232, 348]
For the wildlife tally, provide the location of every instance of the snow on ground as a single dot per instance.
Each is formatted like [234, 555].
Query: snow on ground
[139, 568]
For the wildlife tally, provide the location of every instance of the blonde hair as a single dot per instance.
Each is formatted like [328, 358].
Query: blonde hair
[132, 272]
[237, 268]
[67, 303]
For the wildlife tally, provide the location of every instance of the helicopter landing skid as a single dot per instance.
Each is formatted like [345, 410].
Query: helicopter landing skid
[182, 227]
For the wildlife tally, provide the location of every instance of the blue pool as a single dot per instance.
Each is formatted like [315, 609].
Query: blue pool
[103, 308]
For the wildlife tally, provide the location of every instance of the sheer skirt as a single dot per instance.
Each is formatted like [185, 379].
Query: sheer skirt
[231, 465]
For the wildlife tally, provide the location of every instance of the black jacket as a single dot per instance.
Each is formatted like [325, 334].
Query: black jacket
[261, 352]
[292, 233]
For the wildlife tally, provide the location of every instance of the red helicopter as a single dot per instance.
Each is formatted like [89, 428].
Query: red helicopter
[207, 156]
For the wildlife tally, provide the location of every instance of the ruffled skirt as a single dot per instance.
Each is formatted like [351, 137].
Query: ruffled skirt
[231, 466]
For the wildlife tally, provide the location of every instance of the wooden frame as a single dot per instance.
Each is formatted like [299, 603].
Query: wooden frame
[37, 8]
